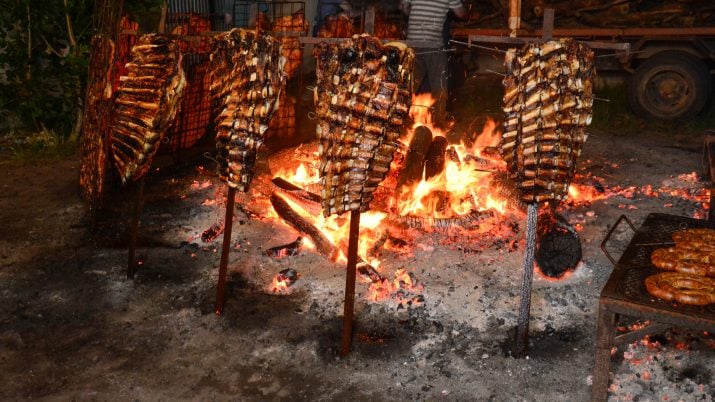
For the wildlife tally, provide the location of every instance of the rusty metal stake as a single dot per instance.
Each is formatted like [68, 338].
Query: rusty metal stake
[350, 282]
[522, 329]
[132, 263]
[225, 248]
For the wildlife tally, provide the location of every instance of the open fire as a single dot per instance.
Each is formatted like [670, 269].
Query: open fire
[466, 199]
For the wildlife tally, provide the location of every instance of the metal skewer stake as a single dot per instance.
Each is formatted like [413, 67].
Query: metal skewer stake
[522, 328]
[350, 283]
[225, 248]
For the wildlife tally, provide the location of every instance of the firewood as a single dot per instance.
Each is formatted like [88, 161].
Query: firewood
[414, 160]
[287, 186]
[322, 244]
[435, 159]
[558, 248]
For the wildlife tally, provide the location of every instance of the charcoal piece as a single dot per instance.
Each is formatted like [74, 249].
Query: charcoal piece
[287, 250]
[212, 233]
[287, 276]
[558, 248]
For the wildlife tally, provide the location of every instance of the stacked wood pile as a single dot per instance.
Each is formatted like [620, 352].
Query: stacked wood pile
[596, 14]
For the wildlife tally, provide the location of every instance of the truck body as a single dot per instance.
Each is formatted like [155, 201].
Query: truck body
[669, 53]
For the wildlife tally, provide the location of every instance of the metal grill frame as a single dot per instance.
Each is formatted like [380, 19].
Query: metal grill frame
[625, 295]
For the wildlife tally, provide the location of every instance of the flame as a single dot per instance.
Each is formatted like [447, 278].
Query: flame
[465, 183]
[280, 285]
[462, 187]
[420, 111]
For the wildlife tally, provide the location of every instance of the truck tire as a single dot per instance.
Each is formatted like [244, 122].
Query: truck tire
[670, 85]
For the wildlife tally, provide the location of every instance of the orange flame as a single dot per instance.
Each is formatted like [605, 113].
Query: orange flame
[280, 285]
[465, 183]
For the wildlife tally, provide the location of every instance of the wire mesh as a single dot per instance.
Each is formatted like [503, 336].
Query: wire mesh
[194, 118]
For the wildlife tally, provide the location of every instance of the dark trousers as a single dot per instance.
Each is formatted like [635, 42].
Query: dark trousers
[431, 68]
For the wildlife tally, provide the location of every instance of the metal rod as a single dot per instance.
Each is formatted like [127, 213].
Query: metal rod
[436, 51]
[350, 283]
[225, 248]
[469, 44]
[522, 329]
[132, 264]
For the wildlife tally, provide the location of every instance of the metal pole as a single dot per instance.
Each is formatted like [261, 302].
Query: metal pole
[132, 264]
[522, 329]
[350, 282]
[226, 247]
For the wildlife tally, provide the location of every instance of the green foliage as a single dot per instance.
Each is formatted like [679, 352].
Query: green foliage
[44, 75]
[42, 72]
[146, 12]
[43, 144]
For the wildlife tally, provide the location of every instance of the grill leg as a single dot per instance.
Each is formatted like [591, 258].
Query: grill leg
[604, 342]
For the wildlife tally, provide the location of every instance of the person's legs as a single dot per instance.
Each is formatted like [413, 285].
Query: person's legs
[420, 71]
[437, 76]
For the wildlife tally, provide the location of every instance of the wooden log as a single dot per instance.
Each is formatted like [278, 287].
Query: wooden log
[558, 249]
[322, 244]
[453, 155]
[414, 160]
[435, 159]
[289, 187]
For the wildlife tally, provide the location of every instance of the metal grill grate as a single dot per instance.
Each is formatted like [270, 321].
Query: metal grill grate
[655, 232]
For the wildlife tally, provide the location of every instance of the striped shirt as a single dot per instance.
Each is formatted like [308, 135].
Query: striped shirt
[426, 21]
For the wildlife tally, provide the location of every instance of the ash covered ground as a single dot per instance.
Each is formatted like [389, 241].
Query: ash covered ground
[73, 327]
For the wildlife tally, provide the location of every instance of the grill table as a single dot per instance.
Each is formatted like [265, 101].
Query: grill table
[626, 295]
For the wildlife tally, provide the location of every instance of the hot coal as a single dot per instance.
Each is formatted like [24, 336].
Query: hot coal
[212, 233]
[288, 276]
[291, 249]
[558, 248]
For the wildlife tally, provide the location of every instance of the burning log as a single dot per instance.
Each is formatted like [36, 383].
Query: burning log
[291, 188]
[322, 244]
[453, 155]
[468, 221]
[558, 249]
[435, 159]
[286, 250]
[414, 160]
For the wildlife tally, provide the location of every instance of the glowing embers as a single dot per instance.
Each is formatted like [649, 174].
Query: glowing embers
[284, 280]
[404, 289]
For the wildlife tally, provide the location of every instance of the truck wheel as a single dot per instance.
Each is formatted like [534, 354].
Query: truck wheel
[670, 85]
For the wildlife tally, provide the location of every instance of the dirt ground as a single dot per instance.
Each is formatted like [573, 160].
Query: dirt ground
[72, 327]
